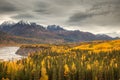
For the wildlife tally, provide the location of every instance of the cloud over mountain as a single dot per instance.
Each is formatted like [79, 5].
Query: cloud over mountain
[85, 14]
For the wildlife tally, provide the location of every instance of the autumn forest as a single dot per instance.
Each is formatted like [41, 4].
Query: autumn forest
[97, 60]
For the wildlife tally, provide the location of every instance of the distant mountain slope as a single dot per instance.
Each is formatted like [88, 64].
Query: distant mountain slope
[10, 39]
[51, 34]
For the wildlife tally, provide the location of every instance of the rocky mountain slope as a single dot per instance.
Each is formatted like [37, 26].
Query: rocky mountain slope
[51, 34]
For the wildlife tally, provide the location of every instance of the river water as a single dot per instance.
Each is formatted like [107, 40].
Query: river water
[8, 53]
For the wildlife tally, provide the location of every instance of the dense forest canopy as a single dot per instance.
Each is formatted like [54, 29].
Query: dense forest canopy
[98, 60]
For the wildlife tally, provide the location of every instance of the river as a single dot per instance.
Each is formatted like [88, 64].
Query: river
[8, 53]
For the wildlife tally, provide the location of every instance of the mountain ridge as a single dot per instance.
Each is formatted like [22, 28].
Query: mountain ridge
[51, 33]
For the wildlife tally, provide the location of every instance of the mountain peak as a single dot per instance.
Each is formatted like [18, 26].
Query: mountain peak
[54, 28]
[23, 22]
[6, 23]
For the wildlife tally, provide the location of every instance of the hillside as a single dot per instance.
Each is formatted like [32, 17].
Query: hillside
[99, 46]
[6, 38]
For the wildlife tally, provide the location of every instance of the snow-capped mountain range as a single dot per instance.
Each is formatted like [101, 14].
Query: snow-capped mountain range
[52, 34]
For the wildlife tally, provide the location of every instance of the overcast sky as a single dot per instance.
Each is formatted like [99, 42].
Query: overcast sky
[97, 16]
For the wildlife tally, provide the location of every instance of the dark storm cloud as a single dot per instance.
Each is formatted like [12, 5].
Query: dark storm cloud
[23, 16]
[42, 8]
[78, 17]
[6, 7]
[42, 11]
[48, 8]
[108, 10]
[111, 6]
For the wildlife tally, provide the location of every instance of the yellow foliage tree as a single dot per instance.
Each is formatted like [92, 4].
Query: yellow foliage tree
[44, 75]
[66, 69]
[73, 67]
[5, 79]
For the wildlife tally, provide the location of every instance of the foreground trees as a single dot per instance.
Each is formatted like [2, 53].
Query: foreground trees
[69, 64]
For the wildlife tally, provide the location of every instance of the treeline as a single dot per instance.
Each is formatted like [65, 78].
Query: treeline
[64, 64]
